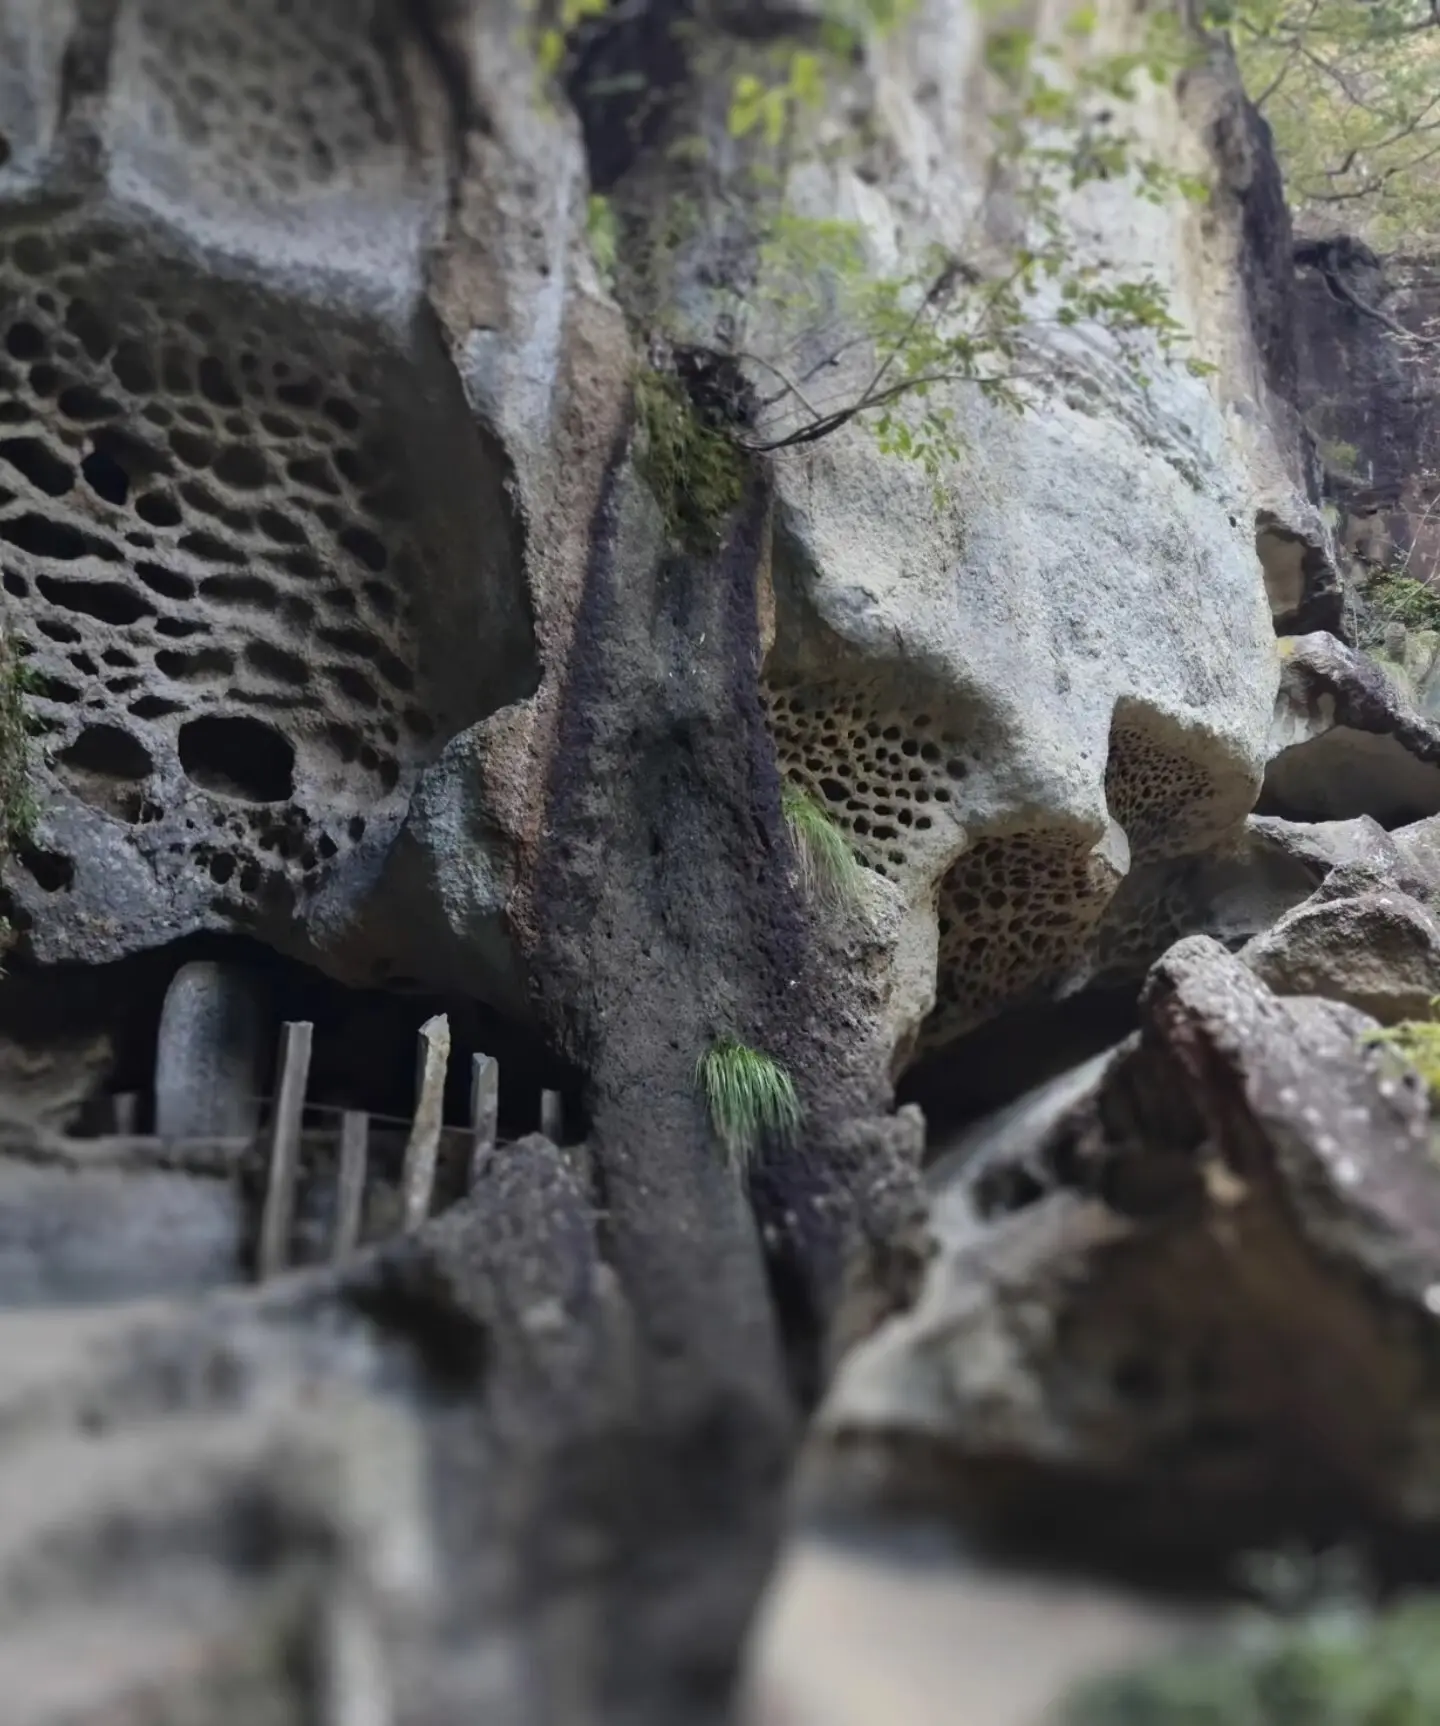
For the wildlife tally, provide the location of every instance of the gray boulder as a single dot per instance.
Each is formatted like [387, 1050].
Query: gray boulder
[1377, 949]
[1345, 742]
[1193, 1310]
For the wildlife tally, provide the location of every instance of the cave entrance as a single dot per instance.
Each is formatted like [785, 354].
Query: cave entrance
[73, 1038]
[1002, 1060]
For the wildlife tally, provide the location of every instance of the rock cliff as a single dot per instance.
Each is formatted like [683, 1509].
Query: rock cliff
[369, 646]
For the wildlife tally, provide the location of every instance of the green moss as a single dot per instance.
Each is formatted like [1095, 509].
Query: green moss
[1418, 1041]
[751, 1099]
[829, 869]
[17, 806]
[1338, 454]
[695, 473]
[1332, 1668]
[17, 803]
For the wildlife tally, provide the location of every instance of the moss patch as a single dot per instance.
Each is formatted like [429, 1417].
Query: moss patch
[695, 473]
[1335, 1668]
[17, 806]
[1418, 1040]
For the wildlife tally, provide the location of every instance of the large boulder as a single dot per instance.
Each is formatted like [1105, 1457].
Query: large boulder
[1358, 941]
[420, 1481]
[1015, 690]
[262, 538]
[1345, 742]
[1192, 1309]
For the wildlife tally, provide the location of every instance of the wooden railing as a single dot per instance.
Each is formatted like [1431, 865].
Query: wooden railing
[289, 1126]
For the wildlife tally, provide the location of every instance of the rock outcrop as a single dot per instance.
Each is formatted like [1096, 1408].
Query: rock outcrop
[1370, 387]
[1346, 743]
[1187, 1300]
[1358, 940]
[366, 631]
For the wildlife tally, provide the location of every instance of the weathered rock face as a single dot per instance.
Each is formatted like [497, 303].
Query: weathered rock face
[359, 628]
[1011, 700]
[264, 550]
[1186, 1298]
[1361, 942]
[1370, 387]
[1346, 743]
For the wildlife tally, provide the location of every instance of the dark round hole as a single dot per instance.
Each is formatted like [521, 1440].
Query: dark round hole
[238, 757]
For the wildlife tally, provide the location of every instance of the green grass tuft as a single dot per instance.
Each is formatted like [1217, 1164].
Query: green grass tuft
[1418, 1040]
[695, 473]
[829, 868]
[751, 1099]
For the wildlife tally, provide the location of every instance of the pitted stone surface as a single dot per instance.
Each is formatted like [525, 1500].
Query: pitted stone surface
[261, 551]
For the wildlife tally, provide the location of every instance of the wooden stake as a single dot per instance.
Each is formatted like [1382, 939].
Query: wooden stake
[552, 1116]
[418, 1181]
[279, 1213]
[350, 1199]
[484, 1111]
[126, 1106]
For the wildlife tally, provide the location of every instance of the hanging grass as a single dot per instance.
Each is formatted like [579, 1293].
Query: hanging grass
[829, 869]
[751, 1099]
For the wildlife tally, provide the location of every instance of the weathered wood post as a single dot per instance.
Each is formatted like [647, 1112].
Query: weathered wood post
[279, 1212]
[552, 1116]
[125, 1106]
[350, 1197]
[418, 1181]
[484, 1111]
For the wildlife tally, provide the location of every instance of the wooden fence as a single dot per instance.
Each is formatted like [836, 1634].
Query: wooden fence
[347, 1137]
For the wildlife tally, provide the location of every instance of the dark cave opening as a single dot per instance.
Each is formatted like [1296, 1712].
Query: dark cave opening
[238, 757]
[364, 1046]
[1000, 1061]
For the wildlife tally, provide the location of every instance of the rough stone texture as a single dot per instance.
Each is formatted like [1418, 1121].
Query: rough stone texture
[1378, 950]
[439, 702]
[264, 551]
[84, 1237]
[1266, 424]
[1345, 743]
[1418, 847]
[938, 674]
[1008, 696]
[425, 1478]
[1371, 390]
[1191, 1308]
[1238, 891]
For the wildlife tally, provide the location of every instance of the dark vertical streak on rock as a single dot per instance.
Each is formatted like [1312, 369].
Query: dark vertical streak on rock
[661, 920]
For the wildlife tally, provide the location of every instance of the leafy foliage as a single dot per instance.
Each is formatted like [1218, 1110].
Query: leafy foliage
[1059, 124]
[830, 336]
[1337, 1667]
[1352, 92]
[558, 22]
[829, 869]
[751, 1099]
[695, 472]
